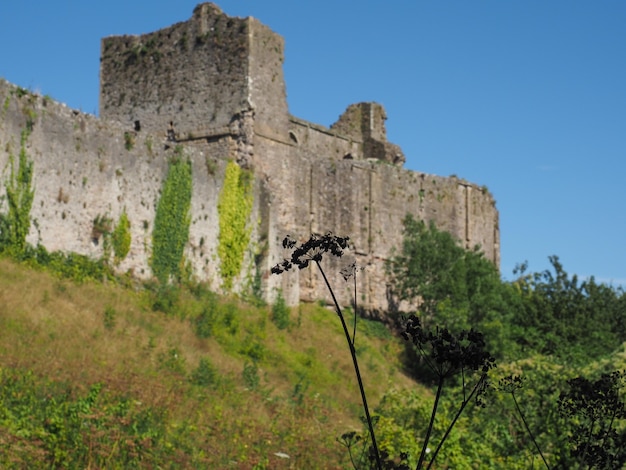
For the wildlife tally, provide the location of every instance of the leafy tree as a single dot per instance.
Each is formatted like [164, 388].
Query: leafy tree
[452, 286]
[577, 322]
[430, 268]
[549, 313]
[548, 321]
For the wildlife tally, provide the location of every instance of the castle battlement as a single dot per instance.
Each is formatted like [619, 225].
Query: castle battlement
[213, 88]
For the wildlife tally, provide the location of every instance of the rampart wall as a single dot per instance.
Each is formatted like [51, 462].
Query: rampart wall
[366, 199]
[85, 167]
[219, 82]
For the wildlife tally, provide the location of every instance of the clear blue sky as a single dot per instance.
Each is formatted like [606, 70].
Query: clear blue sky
[525, 97]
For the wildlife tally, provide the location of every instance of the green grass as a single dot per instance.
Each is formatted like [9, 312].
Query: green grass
[92, 376]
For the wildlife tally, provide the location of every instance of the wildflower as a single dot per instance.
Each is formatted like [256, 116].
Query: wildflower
[311, 250]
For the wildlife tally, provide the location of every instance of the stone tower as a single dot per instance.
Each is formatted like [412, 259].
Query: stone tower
[199, 79]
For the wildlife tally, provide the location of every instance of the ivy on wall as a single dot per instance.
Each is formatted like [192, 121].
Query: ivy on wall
[102, 228]
[172, 220]
[15, 225]
[234, 208]
[120, 238]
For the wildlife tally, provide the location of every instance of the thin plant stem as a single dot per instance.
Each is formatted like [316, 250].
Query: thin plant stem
[606, 432]
[355, 310]
[532, 437]
[356, 367]
[351, 457]
[429, 431]
[458, 415]
[584, 453]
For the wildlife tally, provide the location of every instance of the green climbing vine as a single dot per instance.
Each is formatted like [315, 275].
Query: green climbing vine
[101, 229]
[171, 223]
[234, 207]
[120, 238]
[15, 225]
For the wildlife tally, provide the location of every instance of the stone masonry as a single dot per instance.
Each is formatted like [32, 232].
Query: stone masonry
[215, 86]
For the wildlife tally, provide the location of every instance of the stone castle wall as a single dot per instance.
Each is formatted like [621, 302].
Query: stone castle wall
[214, 85]
[84, 168]
[366, 200]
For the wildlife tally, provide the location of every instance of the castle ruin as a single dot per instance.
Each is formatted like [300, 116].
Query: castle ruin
[213, 86]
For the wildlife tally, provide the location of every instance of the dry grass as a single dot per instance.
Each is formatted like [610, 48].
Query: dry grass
[99, 333]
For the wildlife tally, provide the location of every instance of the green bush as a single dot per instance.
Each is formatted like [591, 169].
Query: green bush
[254, 349]
[374, 329]
[172, 360]
[204, 323]
[205, 375]
[230, 318]
[78, 268]
[166, 298]
[280, 313]
[109, 318]
[250, 375]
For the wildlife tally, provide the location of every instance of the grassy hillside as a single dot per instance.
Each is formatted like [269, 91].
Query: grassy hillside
[92, 376]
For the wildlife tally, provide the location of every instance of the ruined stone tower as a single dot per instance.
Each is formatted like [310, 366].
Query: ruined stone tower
[213, 86]
[202, 78]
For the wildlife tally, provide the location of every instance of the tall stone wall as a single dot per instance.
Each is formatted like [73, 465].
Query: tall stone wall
[219, 81]
[366, 200]
[86, 168]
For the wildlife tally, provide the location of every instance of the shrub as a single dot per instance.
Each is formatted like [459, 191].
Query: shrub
[172, 360]
[166, 299]
[109, 318]
[204, 322]
[73, 266]
[280, 313]
[205, 374]
[251, 375]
